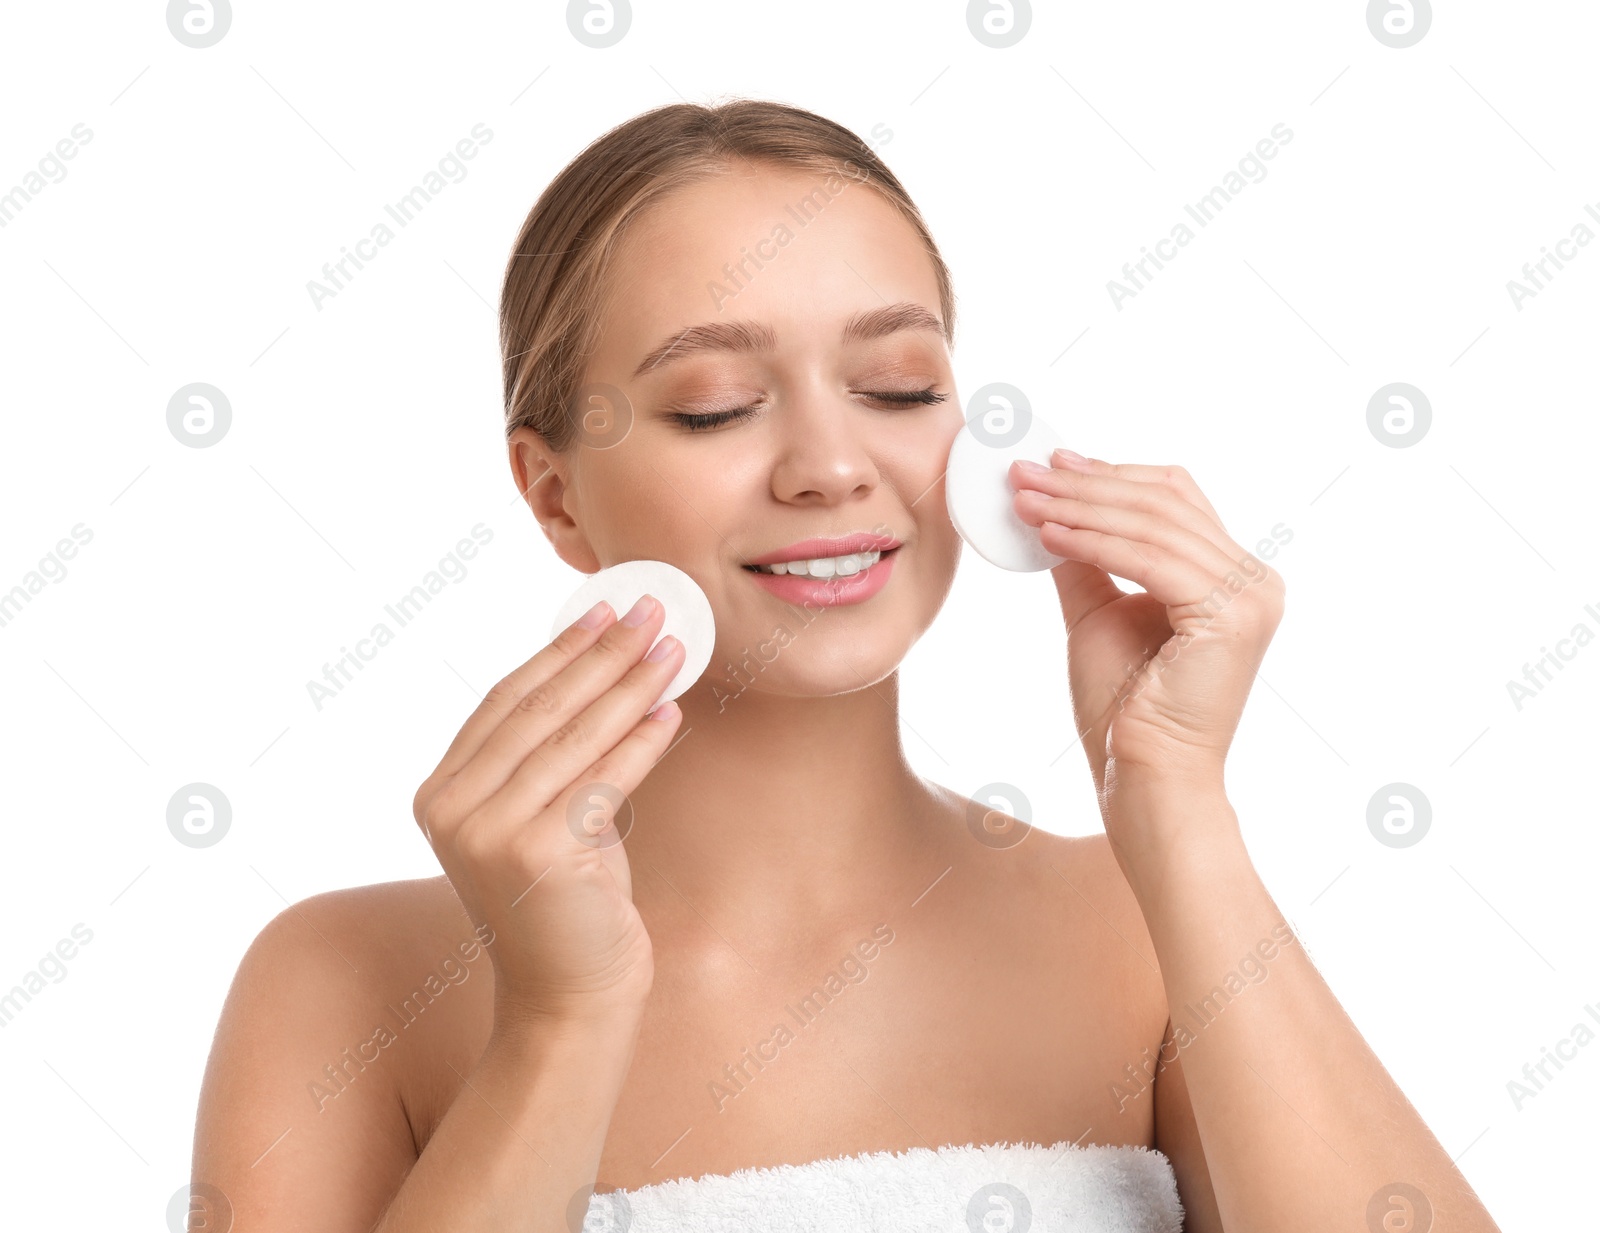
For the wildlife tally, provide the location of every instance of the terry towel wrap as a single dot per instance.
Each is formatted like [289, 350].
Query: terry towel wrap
[997, 1188]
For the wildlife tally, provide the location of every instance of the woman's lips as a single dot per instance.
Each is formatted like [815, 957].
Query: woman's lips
[827, 592]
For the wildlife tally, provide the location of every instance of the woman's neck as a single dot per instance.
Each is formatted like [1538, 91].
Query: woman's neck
[795, 812]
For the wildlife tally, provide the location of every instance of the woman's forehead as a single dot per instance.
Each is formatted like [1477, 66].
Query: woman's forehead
[756, 249]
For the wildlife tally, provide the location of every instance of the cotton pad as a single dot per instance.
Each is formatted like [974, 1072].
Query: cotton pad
[978, 492]
[688, 611]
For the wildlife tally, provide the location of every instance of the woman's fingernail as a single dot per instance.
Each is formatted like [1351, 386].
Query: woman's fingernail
[640, 612]
[595, 616]
[662, 649]
[1072, 459]
[1028, 464]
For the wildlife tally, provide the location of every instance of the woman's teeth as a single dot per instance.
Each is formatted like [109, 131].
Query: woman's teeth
[824, 567]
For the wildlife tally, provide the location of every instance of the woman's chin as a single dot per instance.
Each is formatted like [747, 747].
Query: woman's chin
[796, 664]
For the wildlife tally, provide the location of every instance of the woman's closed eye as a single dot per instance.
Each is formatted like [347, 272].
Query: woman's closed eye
[896, 398]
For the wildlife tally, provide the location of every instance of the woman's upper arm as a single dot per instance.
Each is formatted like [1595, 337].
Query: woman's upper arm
[289, 1144]
[1178, 1138]
[1176, 1135]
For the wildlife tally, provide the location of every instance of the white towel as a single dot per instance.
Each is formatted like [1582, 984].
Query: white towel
[997, 1188]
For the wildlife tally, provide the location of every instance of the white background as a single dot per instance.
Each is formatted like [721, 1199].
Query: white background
[366, 440]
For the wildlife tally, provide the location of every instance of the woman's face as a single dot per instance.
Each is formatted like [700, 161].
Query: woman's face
[780, 261]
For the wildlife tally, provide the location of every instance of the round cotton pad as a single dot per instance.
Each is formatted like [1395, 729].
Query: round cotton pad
[978, 491]
[688, 611]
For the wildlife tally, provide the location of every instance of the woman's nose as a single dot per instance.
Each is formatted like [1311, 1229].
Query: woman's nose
[823, 455]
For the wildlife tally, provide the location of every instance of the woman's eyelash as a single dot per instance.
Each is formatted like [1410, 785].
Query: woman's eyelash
[695, 422]
[910, 396]
[900, 397]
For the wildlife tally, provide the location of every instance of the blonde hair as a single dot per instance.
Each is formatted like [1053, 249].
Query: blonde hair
[552, 297]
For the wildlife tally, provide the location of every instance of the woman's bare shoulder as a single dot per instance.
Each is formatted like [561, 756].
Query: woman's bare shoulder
[413, 906]
[419, 901]
[1088, 866]
[335, 1020]
[377, 958]
[360, 938]
[344, 954]
[1102, 927]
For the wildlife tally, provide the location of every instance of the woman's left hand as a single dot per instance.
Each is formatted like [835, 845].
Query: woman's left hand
[1158, 679]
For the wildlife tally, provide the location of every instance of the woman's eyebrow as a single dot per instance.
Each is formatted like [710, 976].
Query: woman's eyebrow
[750, 336]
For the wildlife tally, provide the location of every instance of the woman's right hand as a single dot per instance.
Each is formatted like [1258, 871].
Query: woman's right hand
[520, 812]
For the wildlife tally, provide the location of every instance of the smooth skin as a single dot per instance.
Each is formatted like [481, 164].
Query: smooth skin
[776, 823]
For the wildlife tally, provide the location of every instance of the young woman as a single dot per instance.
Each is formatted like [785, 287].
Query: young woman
[732, 962]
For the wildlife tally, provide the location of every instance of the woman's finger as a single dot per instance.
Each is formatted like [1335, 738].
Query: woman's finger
[1115, 486]
[1133, 524]
[1173, 579]
[1172, 476]
[563, 710]
[567, 646]
[586, 751]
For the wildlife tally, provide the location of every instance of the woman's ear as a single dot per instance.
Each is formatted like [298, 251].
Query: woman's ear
[541, 475]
